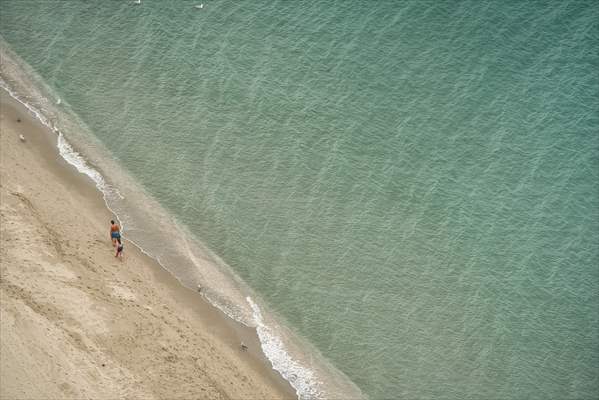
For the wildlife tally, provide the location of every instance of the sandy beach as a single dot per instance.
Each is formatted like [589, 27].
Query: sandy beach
[78, 323]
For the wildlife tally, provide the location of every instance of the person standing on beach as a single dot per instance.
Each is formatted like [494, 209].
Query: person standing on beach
[115, 233]
[119, 249]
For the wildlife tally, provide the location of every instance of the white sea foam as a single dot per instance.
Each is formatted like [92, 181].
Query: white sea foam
[66, 151]
[301, 378]
[76, 160]
[73, 158]
[32, 109]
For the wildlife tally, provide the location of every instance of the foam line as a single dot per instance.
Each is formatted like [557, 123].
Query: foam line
[301, 378]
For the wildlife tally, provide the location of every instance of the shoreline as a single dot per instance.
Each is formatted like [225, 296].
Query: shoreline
[148, 225]
[186, 327]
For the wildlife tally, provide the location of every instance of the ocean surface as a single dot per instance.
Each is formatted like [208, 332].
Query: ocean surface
[402, 196]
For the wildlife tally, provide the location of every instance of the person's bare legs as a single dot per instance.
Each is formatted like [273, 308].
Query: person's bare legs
[119, 249]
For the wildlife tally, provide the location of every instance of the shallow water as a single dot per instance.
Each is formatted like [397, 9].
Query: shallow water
[411, 187]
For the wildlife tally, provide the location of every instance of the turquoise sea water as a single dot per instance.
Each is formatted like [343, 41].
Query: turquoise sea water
[411, 187]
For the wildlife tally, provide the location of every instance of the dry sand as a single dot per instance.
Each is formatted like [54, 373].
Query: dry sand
[77, 323]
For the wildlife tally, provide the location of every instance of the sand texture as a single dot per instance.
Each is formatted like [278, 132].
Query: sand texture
[78, 323]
